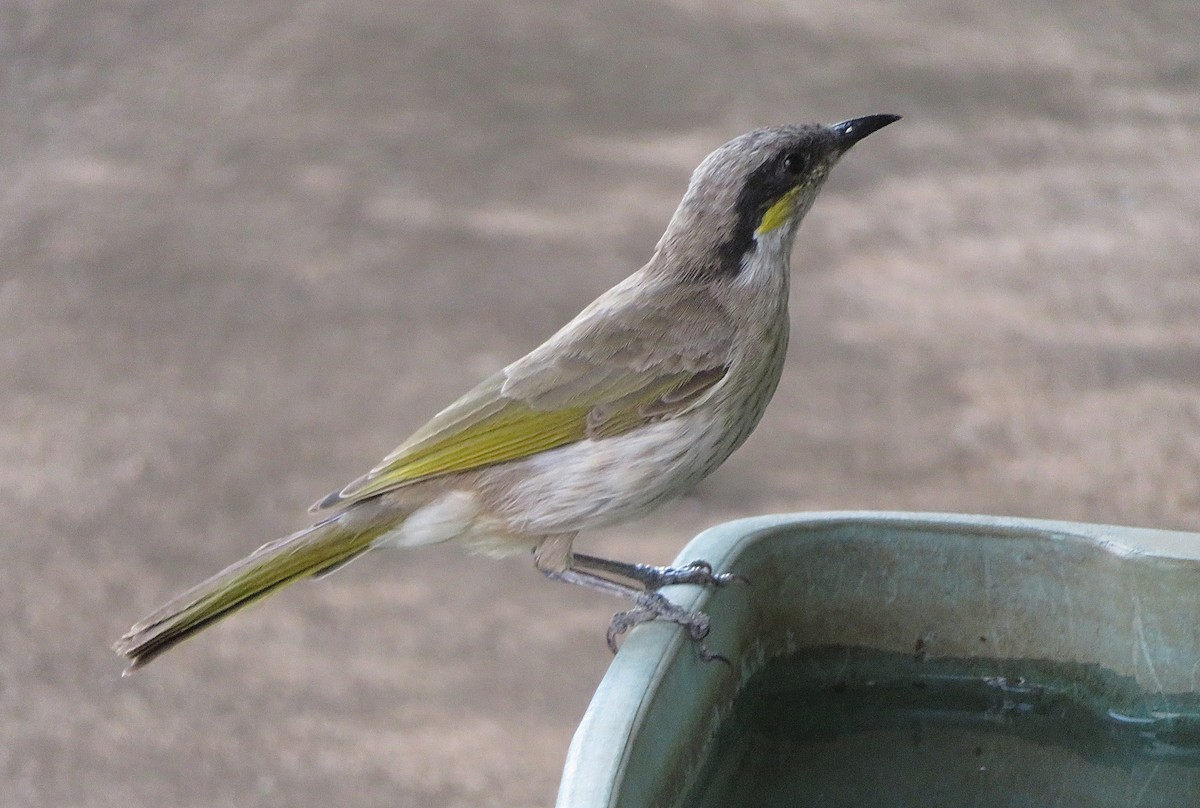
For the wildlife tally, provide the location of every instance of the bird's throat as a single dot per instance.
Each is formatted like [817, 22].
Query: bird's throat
[778, 214]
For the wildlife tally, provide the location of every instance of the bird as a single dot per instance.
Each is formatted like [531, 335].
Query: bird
[630, 404]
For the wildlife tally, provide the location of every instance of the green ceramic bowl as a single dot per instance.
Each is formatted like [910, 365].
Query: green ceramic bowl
[1079, 641]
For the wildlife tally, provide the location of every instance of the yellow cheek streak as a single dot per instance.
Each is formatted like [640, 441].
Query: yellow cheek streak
[778, 213]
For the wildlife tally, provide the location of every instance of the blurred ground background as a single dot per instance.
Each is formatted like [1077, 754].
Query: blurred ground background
[245, 248]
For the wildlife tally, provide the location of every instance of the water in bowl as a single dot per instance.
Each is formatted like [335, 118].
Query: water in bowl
[840, 727]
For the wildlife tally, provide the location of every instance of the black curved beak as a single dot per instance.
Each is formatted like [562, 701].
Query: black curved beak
[851, 131]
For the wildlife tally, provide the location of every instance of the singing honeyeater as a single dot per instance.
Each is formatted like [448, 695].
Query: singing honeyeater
[631, 403]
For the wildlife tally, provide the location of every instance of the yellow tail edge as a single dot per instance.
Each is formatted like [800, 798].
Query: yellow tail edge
[270, 568]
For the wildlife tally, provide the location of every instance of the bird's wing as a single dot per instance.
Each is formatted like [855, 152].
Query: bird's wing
[632, 357]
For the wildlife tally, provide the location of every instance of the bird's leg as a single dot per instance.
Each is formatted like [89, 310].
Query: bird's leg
[555, 560]
[654, 578]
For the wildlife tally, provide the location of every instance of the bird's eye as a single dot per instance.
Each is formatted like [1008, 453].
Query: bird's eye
[794, 163]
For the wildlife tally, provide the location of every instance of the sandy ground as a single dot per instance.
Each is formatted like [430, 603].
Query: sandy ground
[246, 247]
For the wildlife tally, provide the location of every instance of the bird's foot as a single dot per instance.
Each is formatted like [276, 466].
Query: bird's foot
[653, 606]
[653, 578]
[698, 572]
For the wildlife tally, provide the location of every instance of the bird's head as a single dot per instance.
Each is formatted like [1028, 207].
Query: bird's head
[751, 194]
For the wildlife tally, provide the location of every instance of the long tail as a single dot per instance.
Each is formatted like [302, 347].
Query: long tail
[313, 551]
